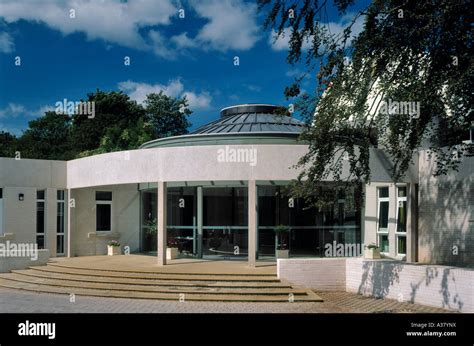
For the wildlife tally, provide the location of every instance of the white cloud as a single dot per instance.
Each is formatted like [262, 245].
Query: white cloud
[6, 43]
[175, 88]
[183, 41]
[159, 45]
[111, 20]
[335, 28]
[12, 110]
[232, 24]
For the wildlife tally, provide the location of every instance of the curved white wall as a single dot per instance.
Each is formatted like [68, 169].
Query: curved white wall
[195, 163]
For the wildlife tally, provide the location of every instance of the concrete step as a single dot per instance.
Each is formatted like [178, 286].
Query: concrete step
[161, 270]
[150, 282]
[9, 281]
[156, 275]
[148, 288]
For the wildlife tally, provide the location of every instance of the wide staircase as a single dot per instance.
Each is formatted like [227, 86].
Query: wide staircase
[180, 286]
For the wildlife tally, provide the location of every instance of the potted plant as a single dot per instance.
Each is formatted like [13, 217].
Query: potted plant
[114, 248]
[282, 241]
[372, 251]
[172, 249]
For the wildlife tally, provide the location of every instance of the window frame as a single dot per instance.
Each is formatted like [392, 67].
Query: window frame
[60, 235]
[383, 231]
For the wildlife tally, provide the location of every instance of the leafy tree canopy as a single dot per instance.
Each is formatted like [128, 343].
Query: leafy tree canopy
[407, 51]
[118, 123]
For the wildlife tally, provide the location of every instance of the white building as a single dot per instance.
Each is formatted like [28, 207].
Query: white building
[219, 191]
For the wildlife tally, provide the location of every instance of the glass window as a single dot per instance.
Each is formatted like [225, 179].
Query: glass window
[383, 209]
[103, 196]
[60, 222]
[383, 192]
[383, 216]
[402, 216]
[225, 206]
[40, 218]
[181, 205]
[103, 217]
[402, 245]
[383, 243]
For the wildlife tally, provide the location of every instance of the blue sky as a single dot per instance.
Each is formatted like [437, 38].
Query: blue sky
[67, 54]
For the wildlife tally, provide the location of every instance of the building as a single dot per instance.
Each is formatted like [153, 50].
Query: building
[220, 192]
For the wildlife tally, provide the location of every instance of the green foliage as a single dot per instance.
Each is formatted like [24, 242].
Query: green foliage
[8, 144]
[114, 243]
[119, 123]
[47, 137]
[407, 51]
[167, 115]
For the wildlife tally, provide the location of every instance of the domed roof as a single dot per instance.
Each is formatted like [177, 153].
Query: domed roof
[241, 124]
[252, 118]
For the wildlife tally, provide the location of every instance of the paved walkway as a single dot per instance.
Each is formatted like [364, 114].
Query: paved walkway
[16, 301]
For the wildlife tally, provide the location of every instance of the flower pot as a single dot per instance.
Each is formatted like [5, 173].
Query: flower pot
[282, 253]
[372, 253]
[114, 250]
[171, 253]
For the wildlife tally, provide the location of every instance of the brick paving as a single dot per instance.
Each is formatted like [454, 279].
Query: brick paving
[17, 301]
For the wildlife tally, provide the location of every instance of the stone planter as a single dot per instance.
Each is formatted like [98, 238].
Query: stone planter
[114, 250]
[171, 253]
[372, 253]
[282, 253]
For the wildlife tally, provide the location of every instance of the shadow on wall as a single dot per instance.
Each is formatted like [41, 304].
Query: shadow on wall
[378, 277]
[431, 285]
[446, 215]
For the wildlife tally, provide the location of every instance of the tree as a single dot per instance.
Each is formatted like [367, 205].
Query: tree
[115, 114]
[167, 115]
[7, 144]
[47, 137]
[407, 51]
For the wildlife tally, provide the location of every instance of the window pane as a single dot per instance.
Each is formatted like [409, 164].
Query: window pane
[1, 193]
[383, 192]
[60, 218]
[40, 241]
[103, 217]
[402, 216]
[225, 206]
[40, 194]
[181, 206]
[60, 195]
[39, 217]
[402, 245]
[402, 191]
[103, 196]
[383, 215]
[59, 244]
[384, 243]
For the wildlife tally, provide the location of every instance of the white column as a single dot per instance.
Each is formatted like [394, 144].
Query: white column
[252, 223]
[200, 211]
[161, 220]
